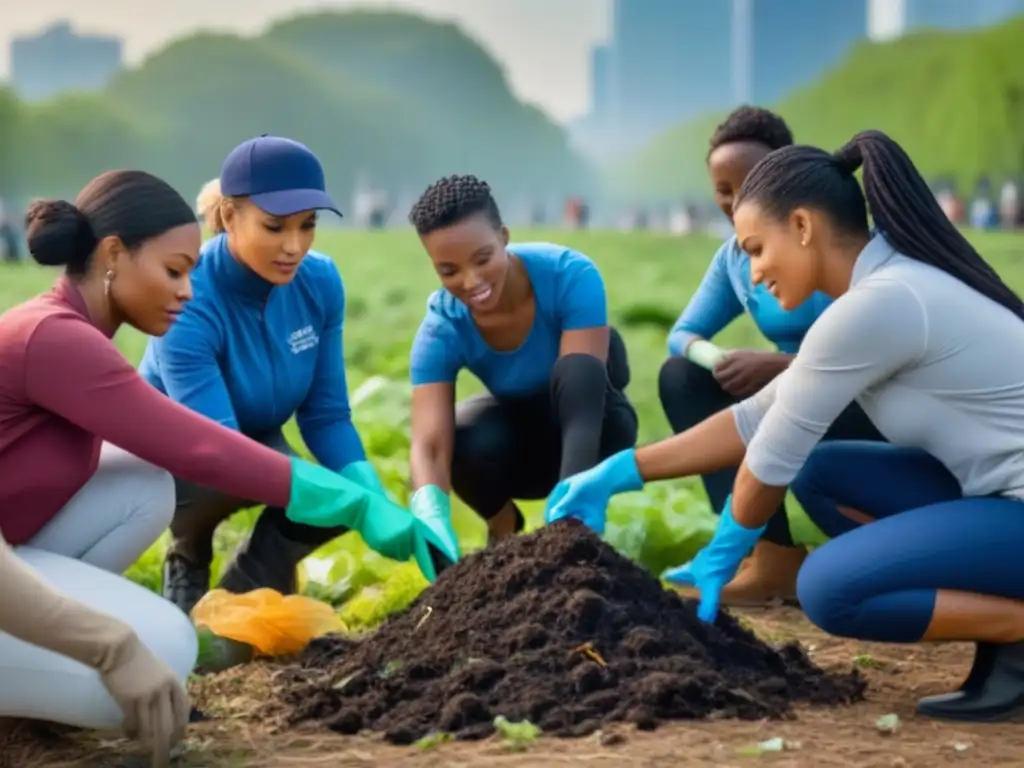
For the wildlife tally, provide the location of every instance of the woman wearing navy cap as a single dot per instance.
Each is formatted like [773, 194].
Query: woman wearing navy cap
[261, 342]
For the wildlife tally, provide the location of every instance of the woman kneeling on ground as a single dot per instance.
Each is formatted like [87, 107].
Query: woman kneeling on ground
[927, 531]
[690, 392]
[530, 320]
[82, 645]
[262, 342]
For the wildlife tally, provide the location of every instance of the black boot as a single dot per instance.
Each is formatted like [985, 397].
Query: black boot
[984, 656]
[185, 581]
[267, 558]
[993, 690]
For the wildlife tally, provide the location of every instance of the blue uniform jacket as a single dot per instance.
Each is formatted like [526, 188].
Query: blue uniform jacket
[250, 355]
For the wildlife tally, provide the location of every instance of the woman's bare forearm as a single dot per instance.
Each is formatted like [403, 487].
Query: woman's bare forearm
[428, 466]
[712, 445]
[753, 502]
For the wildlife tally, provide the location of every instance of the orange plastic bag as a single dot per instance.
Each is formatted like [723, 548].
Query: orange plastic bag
[272, 623]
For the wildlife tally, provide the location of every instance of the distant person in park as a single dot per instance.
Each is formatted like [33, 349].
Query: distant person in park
[927, 530]
[530, 321]
[8, 236]
[87, 449]
[983, 212]
[699, 379]
[261, 342]
[1010, 205]
[577, 212]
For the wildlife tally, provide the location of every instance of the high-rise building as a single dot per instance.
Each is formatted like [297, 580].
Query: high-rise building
[600, 81]
[669, 61]
[59, 59]
[780, 45]
[893, 18]
[953, 14]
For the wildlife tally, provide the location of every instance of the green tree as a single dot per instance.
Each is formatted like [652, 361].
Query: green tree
[459, 90]
[65, 142]
[10, 113]
[203, 95]
[391, 95]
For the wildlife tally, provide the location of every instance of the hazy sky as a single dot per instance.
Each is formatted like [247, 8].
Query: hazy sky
[543, 44]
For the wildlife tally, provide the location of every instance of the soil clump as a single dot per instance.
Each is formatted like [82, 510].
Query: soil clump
[557, 628]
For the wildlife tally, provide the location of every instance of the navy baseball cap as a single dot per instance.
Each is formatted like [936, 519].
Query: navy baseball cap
[279, 175]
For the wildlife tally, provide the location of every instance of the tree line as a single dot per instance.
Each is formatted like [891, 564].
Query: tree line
[391, 97]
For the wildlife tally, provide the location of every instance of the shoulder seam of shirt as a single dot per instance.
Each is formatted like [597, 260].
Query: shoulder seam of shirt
[66, 314]
[337, 282]
[879, 278]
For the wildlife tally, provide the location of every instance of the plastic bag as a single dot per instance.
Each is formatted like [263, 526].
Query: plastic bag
[272, 623]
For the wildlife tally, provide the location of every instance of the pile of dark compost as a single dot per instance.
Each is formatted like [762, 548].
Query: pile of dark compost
[557, 628]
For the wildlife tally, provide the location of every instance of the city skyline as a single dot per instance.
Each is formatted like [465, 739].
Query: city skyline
[562, 29]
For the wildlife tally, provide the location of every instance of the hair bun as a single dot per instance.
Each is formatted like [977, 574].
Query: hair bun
[849, 158]
[58, 234]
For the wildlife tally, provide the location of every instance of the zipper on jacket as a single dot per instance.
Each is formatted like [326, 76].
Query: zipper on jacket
[270, 358]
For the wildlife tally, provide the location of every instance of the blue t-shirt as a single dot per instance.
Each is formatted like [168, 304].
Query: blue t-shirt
[726, 292]
[250, 355]
[569, 295]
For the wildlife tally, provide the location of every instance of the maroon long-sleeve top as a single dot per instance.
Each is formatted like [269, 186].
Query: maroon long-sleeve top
[65, 389]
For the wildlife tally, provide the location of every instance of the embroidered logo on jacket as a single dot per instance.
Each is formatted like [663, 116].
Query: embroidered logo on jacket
[303, 339]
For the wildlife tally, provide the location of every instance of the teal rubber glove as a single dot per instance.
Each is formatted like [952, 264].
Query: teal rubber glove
[437, 546]
[364, 475]
[326, 499]
[716, 564]
[585, 495]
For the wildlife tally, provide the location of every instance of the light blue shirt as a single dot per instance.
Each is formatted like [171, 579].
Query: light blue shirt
[726, 292]
[569, 295]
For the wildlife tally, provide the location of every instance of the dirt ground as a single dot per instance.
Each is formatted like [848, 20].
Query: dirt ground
[848, 736]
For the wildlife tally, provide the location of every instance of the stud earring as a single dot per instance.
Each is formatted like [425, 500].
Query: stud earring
[107, 280]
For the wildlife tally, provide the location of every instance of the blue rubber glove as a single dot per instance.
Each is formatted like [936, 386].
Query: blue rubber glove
[585, 495]
[716, 564]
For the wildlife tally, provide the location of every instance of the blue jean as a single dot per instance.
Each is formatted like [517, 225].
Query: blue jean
[878, 581]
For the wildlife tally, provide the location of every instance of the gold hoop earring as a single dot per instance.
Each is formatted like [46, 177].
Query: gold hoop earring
[107, 280]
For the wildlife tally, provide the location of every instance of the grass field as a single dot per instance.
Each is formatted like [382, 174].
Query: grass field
[650, 277]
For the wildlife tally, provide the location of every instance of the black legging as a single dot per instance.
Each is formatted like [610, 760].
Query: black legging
[519, 448]
[689, 394]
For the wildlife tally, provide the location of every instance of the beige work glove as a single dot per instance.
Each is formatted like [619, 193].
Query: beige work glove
[156, 706]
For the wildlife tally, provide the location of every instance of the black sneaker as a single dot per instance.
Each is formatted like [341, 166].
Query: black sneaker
[185, 582]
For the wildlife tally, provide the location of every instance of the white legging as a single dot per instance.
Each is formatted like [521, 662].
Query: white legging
[83, 551]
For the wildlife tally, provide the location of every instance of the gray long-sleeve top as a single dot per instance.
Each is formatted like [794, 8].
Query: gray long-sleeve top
[933, 363]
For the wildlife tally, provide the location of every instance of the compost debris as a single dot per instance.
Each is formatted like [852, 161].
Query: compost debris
[557, 628]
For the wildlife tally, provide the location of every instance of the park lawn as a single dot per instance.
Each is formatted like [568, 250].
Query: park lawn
[387, 278]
